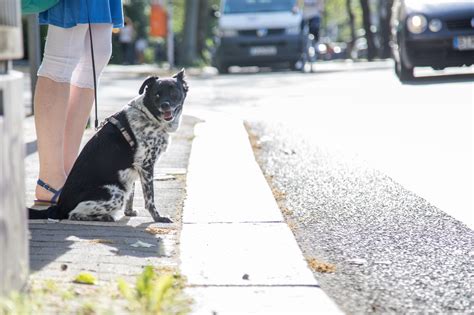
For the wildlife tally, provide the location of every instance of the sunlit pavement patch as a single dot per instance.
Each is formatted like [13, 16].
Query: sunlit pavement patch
[234, 235]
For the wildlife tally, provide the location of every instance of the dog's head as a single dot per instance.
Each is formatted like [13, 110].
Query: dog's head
[164, 98]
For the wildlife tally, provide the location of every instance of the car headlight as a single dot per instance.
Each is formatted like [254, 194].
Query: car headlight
[435, 25]
[228, 32]
[293, 30]
[417, 23]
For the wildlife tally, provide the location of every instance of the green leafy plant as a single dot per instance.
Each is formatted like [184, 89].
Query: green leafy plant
[18, 303]
[155, 294]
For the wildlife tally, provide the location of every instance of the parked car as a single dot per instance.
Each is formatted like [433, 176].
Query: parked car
[258, 32]
[431, 33]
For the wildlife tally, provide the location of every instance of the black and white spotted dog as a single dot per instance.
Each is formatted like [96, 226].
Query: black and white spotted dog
[102, 179]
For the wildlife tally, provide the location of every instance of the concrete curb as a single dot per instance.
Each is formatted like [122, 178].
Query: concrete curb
[237, 253]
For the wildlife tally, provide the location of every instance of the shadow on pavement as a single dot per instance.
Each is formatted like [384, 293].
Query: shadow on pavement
[441, 79]
[74, 243]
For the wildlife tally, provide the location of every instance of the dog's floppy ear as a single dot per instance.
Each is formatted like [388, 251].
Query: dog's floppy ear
[146, 83]
[180, 77]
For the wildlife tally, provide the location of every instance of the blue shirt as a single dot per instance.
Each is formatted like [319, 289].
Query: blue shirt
[69, 13]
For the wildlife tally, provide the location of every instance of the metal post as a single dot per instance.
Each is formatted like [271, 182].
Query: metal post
[189, 46]
[170, 35]
[34, 52]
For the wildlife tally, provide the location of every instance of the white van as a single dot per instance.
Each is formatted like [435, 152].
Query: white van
[258, 33]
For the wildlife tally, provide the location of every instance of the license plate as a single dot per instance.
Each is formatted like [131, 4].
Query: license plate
[263, 51]
[464, 42]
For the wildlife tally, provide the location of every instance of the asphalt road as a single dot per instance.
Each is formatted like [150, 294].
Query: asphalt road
[371, 170]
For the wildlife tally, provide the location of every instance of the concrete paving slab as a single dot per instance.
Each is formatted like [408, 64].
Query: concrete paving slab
[230, 174]
[222, 254]
[261, 300]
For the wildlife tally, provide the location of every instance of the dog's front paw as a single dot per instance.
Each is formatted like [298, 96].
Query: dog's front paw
[131, 213]
[158, 218]
[163, 220]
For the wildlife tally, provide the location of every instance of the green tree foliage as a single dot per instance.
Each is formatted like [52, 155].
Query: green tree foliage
[178, 16]
[336, 16]
[139, 12]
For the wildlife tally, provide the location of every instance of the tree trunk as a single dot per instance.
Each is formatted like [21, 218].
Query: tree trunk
[368, 33]
[385, 13]
[189, 47]
[203, 24]
[350, 14]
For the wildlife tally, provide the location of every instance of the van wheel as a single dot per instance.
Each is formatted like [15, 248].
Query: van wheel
[222, 69]
[295, 65]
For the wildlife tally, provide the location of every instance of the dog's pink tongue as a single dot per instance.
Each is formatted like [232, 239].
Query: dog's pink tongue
[168, 115]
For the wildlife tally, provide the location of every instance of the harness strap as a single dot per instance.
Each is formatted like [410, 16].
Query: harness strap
[122, 130]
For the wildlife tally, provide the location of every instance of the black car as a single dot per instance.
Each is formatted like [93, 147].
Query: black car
[431, 33]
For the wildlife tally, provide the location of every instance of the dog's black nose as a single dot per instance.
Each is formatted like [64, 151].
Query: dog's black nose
[165, 106]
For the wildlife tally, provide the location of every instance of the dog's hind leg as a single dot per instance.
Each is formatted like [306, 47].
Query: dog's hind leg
[129, 203]
[100, 210]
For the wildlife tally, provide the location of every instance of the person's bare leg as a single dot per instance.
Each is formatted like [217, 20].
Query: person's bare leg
[50, 103]
[79, 108]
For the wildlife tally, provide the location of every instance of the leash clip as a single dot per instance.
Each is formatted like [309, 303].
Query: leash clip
[102, 124]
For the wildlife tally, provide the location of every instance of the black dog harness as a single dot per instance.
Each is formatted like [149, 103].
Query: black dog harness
[117, 124]
[122, 130]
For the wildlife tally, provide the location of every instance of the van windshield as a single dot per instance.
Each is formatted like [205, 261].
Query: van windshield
[250, 6]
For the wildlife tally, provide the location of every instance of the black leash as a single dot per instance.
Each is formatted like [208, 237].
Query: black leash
[96, 123]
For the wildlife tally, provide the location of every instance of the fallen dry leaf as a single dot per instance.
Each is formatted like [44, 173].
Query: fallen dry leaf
[156, 230]
[254, 142]
[165, 269]
[286, 211]
[319, 266]
[278, 194]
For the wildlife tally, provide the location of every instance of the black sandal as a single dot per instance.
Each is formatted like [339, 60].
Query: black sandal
[39, 203]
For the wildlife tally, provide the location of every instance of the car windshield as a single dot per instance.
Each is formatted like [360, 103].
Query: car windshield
[250, 6]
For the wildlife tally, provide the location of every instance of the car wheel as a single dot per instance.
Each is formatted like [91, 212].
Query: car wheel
[403, 72]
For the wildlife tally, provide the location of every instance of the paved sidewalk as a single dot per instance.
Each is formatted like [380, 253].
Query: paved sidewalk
[104, 249]
[60, 251]
[238, 254]
[235, 249]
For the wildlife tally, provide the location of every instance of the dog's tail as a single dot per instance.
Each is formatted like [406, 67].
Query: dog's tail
[50, 213]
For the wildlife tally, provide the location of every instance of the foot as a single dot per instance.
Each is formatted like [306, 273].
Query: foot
[49, 193]
[131, 213]
[163, 220]
[158, 218]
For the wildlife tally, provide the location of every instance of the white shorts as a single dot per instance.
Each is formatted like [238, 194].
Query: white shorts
[67, 53]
